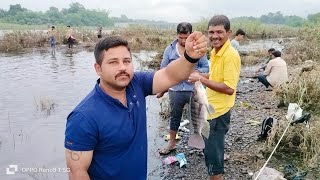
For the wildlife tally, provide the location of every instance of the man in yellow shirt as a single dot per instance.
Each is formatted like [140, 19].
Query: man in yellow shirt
[221, 83]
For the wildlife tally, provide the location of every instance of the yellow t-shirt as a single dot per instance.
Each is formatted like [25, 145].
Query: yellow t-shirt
[224, 68]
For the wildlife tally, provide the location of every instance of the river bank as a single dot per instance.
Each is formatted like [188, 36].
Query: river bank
[247, 155]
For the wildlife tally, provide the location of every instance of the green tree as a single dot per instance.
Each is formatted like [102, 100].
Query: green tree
[14, 9]
[294, 21]
[54, 16]
[314, 18]
[73, 19]
[273, 18]
[3, 13]
[30, 17]
[76, 8]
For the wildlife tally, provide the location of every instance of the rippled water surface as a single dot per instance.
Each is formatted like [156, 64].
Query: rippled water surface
[38, 91]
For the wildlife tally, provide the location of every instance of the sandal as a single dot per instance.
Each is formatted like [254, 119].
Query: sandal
[166, 151]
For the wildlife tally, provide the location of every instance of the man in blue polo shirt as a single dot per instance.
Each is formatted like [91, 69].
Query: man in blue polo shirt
[106, 135]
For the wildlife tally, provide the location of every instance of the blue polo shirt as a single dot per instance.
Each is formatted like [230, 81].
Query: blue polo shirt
[117, 134]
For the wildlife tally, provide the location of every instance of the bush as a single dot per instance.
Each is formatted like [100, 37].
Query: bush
[304, 90]
[306, 47]
[299, 144]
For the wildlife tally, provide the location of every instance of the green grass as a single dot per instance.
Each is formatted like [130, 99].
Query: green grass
[10, 26]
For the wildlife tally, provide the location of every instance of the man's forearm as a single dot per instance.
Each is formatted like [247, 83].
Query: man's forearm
[216, 86]
[179, 69]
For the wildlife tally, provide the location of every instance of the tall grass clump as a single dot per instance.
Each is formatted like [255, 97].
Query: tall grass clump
[155, 63]
[146, 38]
[13, 41]
[306, 47]
[257, 30]
[17, 40]
[45, 104]
[302, 89]
[253, 29]
[301, 143]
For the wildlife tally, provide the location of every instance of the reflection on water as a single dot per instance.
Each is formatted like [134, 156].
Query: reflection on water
[29, 136]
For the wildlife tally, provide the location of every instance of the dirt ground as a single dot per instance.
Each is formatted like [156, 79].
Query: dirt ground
[253, 104]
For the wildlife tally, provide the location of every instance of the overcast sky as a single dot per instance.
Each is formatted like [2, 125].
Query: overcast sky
[179, 10]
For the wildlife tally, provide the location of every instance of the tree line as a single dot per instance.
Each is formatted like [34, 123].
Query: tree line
[279, 18]
[78, 15]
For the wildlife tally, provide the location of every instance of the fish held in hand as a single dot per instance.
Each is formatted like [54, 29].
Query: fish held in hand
[200, 108]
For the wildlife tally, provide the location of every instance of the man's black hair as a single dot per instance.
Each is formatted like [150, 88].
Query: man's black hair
[107, 43]
[276, 53]
[184, 28]
[241, 32]
[220, 20]
[271, 49]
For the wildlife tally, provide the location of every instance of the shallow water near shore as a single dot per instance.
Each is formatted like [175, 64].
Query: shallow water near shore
[38, 91]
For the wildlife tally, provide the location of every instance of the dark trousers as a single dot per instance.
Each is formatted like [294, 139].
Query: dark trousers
[178, 99]
[214, 149]
[263, 79]
[70, 42]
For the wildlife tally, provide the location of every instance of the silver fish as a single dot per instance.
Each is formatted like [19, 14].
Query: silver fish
[200, 108]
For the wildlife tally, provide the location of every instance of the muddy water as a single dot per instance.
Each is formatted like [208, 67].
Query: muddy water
[34, 138]
[264, 45]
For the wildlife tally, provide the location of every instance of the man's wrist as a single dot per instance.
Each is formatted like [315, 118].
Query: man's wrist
[190, 59]
[202, 79]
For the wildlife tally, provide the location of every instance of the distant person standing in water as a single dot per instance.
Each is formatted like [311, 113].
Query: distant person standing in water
[235, 43]
[99, 31]
[53, 34]
[70, 37]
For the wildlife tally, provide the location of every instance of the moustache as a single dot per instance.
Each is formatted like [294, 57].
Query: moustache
[214, 39]
[122, 73]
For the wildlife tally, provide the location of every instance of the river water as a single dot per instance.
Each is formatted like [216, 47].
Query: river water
[31, 137]
[38, 91]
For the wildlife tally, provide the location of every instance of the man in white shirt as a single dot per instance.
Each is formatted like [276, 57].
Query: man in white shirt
[239, 37]
[276, 72]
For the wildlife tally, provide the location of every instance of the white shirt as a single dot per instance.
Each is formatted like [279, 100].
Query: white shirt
[235, 44]
[276, 71]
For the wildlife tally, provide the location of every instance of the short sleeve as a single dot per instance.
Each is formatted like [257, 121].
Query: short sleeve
[203, 65]
[145, 80]
[231, 71]
[80, 134]
[165, 58]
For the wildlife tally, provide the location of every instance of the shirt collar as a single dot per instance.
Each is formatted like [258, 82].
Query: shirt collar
[222, 50]
[106, 96]
[173, 44]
